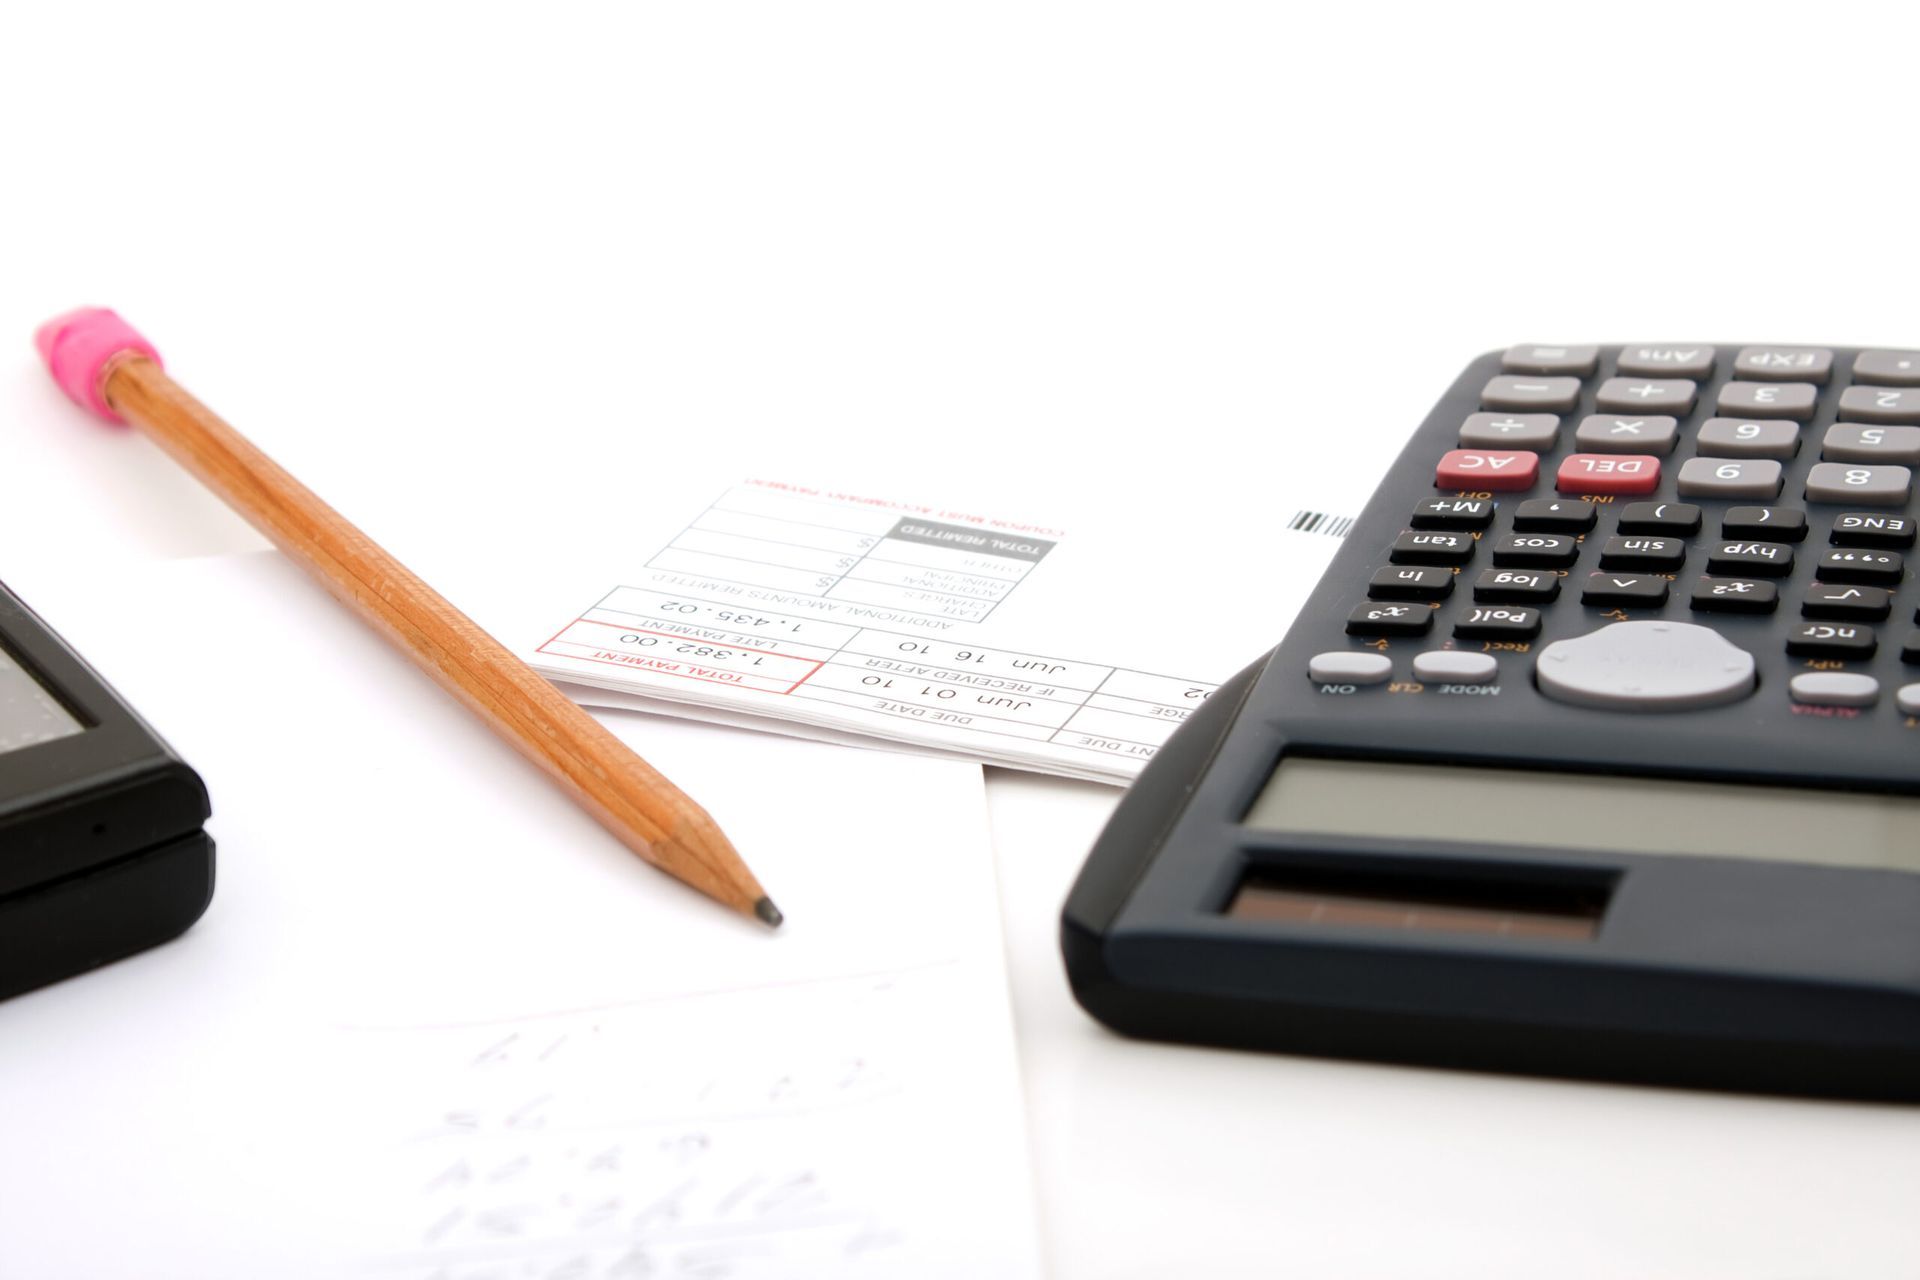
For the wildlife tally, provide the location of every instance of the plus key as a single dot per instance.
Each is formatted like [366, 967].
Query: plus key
[1489, 469]
[1608, 473]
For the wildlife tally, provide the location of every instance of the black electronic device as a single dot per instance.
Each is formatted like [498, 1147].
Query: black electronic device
[102, 846]
[1596, 752]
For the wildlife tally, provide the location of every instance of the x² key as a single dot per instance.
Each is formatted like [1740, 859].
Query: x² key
[1608, 473]
[1491, 469]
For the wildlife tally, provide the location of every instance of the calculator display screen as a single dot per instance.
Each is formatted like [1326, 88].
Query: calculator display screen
[1599, 812]
[28, 713]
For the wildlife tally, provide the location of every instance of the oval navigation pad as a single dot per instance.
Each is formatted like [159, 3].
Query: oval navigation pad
[1646, 666]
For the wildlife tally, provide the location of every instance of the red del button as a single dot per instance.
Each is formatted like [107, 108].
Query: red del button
[1486, 469]
[1608, 473]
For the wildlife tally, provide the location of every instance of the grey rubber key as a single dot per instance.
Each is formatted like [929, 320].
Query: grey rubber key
[1880, 404]
[1729, 478]
[1646, 666]
[1674, 360]
[1834, 689]
[1536, 431]
[1768, 400]
[1908, 699]
[1578, 361]
[1888, 368]
[1627, 433]
[1870, 486]
[1520, 392]
[1784, 364]
[1856, 442]
[1344, 666]
[1749, 438]
[1449, 666]
[1646, 395]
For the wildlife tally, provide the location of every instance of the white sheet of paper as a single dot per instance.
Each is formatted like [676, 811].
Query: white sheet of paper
[438, 1025]
[819, 609]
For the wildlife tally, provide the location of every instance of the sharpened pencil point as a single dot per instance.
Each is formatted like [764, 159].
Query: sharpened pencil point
[768, 912]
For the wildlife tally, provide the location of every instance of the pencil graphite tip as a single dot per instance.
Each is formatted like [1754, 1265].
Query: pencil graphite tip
[768, 912]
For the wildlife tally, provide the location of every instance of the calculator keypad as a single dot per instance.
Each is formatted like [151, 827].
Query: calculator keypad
[1693, 361]
[1647, 395]
[1784, 364]
[1749, 438]
[1844, 482]
[1771, 524]
[1856, 442]
[1623, 433]
[1880, 404]
[1535, 431]
[1607, 474]
[1730, 478]
[1888, 368]
[1615, 487]
[1521, 393]
[1768, 400]
[1555, 515]
[1502, 471]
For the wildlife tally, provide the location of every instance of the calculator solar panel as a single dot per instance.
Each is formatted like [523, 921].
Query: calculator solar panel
[1596, 751]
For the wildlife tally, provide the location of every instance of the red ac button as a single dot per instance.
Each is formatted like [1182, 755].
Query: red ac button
[1486, 469]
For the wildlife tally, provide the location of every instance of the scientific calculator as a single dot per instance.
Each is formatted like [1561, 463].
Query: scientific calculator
[103, 850]
[1595, 753]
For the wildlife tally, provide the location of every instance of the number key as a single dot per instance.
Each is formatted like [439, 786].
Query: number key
[1737, 438]
[1871, 486]
[1852, 442]
[1768, 400]
[1729, 478]
[1880, 404]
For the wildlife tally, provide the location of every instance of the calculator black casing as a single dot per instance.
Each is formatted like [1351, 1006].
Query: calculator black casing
[103, 850]
[1706, 971]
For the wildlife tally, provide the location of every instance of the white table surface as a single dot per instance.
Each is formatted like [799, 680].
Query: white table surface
[425, 255]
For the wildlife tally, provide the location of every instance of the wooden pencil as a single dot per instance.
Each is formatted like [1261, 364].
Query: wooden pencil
[106, 366]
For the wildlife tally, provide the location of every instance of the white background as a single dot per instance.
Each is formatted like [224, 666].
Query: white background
[433, 258]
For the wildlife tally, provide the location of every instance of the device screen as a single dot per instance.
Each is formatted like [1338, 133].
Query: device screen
[1596, 812]
[29, 714]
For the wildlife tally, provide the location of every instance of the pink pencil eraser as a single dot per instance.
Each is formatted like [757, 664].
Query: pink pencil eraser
[77, 348]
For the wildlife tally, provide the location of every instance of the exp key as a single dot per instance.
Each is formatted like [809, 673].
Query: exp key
[1608, 473]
